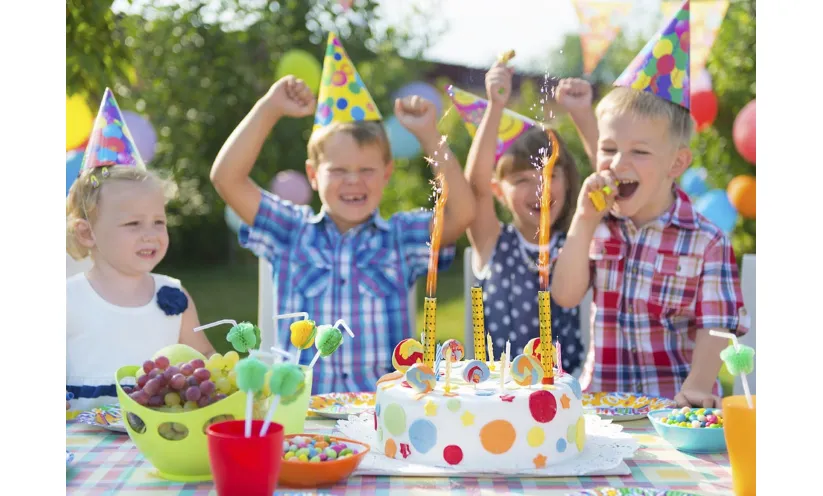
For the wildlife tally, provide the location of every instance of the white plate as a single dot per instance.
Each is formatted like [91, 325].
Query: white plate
[341, 405]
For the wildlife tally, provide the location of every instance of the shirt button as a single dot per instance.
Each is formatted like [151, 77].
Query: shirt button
[345, 375]
[634, 350]
[634, 270]
[639, 389]
[342, 280]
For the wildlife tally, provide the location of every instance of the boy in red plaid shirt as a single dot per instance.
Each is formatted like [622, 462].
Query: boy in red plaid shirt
[662, 274]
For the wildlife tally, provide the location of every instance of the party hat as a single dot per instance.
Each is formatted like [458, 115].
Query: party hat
[472, 108]
[662, 66]
[111, 142]
[343, 97]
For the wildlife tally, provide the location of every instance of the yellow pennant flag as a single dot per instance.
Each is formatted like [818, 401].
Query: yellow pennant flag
[599, 25]
[706, 18]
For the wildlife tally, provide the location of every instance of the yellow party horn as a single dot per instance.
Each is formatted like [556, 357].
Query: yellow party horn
[598, 198]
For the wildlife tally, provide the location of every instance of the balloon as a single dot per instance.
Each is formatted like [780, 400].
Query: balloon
[744, 132]
[301, 64]
[716, 207]
[702, 82]
[79, 121]
[74, 160]
[693, 181]
[704, 108]
[232, 219]
[143, 133]
[741, 192]
[403, 143]
[425, 90]
[292, 186]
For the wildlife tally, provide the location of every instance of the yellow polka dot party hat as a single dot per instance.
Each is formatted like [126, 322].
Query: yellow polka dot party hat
[662, 66]
[471, 108]
[343, 97]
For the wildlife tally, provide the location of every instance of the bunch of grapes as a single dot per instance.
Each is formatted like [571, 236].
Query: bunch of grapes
[181, 387]
[222, 371]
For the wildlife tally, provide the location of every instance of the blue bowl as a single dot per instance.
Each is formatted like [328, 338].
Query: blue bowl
[688, 439]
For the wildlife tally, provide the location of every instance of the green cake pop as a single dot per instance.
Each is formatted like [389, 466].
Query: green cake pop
[285, 382]
[738, 360]
[251, 376]
[244, 336]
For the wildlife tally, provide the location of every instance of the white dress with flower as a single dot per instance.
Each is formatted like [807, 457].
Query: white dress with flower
[102, 337]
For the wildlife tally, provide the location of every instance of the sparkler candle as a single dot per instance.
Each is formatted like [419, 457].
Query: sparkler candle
[544, 235]
[430, 305]
[478, 323]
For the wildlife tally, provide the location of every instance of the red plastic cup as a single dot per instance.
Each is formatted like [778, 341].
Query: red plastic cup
[244, 466]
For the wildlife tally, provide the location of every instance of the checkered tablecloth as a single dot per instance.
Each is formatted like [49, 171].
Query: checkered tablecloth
[108, 463]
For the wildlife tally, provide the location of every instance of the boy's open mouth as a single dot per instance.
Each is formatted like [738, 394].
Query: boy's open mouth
[626, 189]
[147, 253]
[353, 199]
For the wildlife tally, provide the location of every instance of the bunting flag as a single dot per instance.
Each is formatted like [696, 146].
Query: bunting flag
[706, 18]
[599, 26]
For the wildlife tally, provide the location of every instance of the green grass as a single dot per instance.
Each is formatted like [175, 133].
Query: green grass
[224, 291]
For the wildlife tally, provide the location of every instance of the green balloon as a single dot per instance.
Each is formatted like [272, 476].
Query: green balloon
[303, 65]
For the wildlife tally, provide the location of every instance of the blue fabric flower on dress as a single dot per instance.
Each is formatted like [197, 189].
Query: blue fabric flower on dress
[172, 301]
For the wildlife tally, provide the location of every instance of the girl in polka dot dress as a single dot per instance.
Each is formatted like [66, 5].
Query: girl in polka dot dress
[504, 255]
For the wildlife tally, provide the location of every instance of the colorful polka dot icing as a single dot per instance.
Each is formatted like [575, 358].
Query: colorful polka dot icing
[662, 66]
[343, 97]
[111, 142]
[471, 108]
[475, 425]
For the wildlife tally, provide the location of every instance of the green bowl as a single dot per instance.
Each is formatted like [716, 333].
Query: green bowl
[181, 455]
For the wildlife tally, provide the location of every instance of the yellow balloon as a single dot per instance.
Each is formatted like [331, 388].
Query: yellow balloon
[79, 121]
[303, 65]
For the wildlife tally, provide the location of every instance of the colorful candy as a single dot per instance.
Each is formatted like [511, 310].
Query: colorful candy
[407, 353]
[421, 378]
[532, 348]
[303, 333]
[701, 418]
[315, 449]
[476, 371]
[458, 352]
[526, 370]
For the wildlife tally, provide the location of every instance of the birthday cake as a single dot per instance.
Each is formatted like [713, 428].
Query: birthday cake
[475, 420]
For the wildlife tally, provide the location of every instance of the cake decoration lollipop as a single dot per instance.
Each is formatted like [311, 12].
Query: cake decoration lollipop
[739, 360]
[421, 378]
[251, 374]
[328, 339]
[475, 372]
[533, 348]
[457, 350]
[407, 352]
[285, 382]
[243, 337]
[526, 370]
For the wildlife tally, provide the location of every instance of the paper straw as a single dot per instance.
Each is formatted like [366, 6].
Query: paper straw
[249, 406]
[270, 415]
[215, 324]
[736, 345]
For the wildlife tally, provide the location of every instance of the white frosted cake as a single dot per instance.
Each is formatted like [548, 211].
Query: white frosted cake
[474, 425]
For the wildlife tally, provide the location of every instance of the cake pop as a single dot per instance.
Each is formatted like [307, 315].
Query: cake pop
[251, 374]
[285, 381]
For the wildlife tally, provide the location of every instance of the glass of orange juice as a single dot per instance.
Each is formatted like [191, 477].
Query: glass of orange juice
[739, 423]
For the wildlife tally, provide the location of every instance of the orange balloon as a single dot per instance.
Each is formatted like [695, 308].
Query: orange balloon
[741, 191]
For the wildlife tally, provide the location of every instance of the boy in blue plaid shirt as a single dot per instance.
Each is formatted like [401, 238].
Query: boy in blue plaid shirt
[344, 262]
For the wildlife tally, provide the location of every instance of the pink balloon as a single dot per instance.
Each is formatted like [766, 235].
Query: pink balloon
[744, 132]
[292, 186]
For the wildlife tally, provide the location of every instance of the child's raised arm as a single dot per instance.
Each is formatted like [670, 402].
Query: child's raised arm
[419, 116]
[485, 229]
[575, 95]
[288, 97]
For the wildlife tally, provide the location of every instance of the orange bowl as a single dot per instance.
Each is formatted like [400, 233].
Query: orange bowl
[300, 474]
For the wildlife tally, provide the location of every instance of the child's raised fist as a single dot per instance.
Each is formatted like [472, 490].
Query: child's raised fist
[499, 83]
[574, 94]
[291, 97]
[416, 114]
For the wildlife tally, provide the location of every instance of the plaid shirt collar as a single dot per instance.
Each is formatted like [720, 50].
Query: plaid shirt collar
[681, 213]
[375, 219]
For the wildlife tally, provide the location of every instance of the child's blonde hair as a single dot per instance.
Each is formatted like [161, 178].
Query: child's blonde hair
[623, 100]
[527, 152]
[363, 132]
[84, 196]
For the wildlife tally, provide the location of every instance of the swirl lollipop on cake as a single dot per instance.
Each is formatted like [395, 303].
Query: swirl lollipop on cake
[421, 378]
[475, 372]
[407, 352]
[526, 370]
